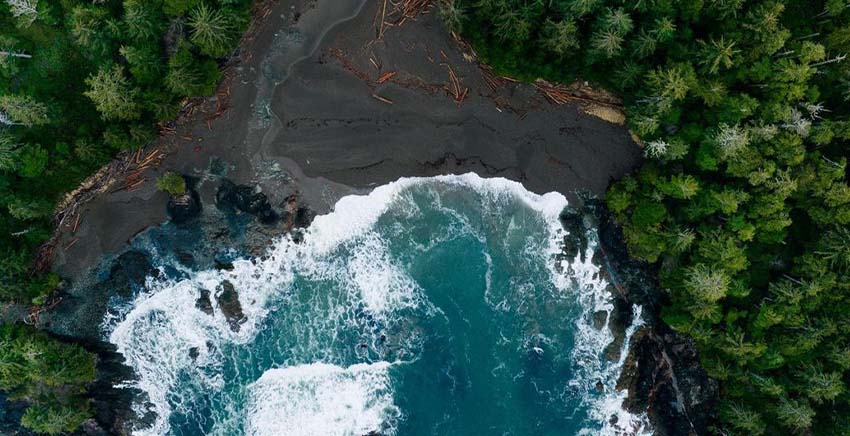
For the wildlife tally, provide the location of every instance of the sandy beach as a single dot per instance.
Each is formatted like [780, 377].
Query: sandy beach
[324, 101]
[327, 98]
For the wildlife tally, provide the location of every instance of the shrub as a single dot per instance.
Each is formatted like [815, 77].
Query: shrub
[172, 183]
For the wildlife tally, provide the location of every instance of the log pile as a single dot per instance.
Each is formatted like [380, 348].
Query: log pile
[395, 14]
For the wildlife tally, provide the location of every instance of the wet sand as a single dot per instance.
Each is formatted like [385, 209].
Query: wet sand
[307, 112]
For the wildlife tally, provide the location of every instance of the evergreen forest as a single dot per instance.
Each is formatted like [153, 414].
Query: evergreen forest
[79, 82]
[742, 203]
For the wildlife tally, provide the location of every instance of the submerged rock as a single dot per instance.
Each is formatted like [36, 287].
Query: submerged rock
[129, 271]
[600, 318]
[185, 258]
[228, 301]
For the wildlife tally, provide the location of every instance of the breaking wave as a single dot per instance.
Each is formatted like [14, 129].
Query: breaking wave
[404, 311]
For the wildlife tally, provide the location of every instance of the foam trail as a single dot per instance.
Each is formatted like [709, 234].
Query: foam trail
[322, 400]
[155, 330]
[594, 367]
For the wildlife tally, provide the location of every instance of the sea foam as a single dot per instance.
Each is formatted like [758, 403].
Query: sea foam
[158, 328]
[321, 399]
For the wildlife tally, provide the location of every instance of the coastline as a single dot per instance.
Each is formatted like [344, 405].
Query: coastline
[333, 126]
[323, 128]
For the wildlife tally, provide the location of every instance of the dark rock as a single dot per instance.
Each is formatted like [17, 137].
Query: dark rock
[633, 279]
[203, 303]
[575, 242]
[112, 406]
[129, 271]
[228, 301]
[185, 258]
[225, 195]
[10, 416]
[223, 265]
[600, 387]
[662, 371]
[245, 199]
[620, 320]
[183, 208]
[664, 378]
[91, 428]
[268, 216]
[303, 218]
[223, 260]
[255, 203]
[194, 353]
[600, 318]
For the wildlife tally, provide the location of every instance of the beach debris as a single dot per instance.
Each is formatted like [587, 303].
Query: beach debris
[454, 87]
[382, 99]
[383, 20]
[127, 161]
[348, 65]
[493, 81]
[36, 311]
[577, 91]
[401, 12]
[593, 102]
[557, 94]
[72, 243]
[386, 76]
[135, 184]
[76, 223]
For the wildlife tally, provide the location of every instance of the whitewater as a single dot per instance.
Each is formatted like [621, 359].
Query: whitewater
[430, 306]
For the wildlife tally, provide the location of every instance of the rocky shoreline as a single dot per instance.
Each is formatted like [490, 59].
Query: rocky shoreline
[662, 373]
[317, 107]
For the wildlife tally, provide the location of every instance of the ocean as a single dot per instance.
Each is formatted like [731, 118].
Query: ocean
[430, 306]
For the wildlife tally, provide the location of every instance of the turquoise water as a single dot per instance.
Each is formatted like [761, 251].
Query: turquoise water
[430, 307]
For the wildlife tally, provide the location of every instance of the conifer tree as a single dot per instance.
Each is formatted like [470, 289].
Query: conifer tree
[113, 94]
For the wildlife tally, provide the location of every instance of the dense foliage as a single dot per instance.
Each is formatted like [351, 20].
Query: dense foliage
[743, 201]
[49, 375]
[172, 183]
[80, 81]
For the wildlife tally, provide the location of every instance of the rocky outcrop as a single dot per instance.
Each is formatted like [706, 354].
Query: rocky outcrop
[183, 208]
[247, 199]
[203, 303]
[664, 378]
[295, 214]
[129, 271]
[228, 302]
[662, 371]
[111, 405]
